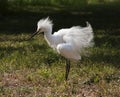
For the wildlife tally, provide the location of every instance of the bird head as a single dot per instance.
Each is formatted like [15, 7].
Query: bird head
[43, 26]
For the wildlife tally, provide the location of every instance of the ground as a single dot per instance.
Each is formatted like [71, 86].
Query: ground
[32, 69]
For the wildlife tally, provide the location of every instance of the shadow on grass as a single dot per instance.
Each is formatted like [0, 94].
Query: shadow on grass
[103, 22]
[3, 39]
[107, 41]
[26, 22]
[112, 59]
[7, 51]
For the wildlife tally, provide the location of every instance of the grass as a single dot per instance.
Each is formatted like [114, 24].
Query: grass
[32, 69]
[58, 5]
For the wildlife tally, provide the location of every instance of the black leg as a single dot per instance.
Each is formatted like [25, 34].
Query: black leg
[67, 68]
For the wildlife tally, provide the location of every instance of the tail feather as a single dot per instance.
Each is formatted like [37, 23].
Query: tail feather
[87, 23]
[89, 26]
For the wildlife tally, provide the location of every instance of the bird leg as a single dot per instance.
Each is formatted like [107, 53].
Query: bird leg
[67, 68]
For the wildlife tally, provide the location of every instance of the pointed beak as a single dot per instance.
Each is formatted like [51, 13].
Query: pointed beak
[35, 33]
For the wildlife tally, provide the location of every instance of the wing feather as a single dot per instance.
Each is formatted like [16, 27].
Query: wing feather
[80, 37]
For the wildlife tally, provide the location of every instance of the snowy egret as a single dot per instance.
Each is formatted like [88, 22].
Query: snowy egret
[69, 42]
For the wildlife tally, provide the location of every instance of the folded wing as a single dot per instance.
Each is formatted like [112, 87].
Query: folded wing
[80, 37]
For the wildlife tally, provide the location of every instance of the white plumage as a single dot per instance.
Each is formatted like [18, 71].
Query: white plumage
[69, 42]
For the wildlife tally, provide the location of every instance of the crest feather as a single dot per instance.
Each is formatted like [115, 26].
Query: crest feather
[45, 22]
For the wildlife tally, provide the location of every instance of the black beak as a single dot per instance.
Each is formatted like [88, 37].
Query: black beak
[33, 35]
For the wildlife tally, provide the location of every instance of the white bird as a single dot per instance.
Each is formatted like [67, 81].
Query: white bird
[69, 42]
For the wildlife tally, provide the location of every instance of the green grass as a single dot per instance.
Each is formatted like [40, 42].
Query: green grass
[45, 6]
[31, 68]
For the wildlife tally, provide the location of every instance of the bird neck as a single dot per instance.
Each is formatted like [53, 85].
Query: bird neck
[48, 36]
